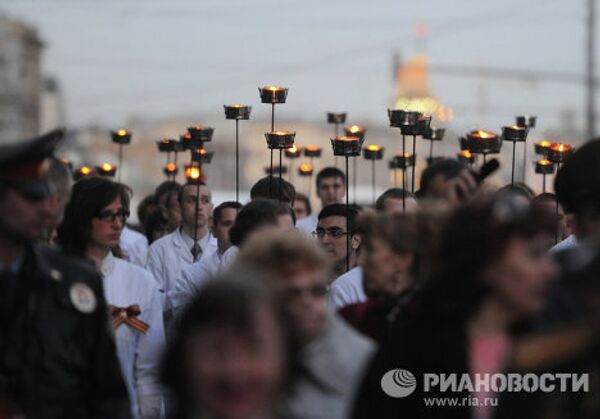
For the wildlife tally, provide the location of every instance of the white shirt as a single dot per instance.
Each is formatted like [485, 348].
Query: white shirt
[193, 277]
[139, 354]
[347, 289]
[567, 243]
[308, 224]
[135, 246]
[170, 254]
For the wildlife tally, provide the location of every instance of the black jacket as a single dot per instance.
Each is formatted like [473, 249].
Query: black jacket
[57, 351]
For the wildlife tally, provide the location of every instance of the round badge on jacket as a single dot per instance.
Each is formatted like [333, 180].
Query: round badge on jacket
[83, 297]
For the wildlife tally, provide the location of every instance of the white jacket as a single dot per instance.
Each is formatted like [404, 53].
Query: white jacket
[139, 354]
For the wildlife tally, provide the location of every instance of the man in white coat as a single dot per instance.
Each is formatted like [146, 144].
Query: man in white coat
[177, 250]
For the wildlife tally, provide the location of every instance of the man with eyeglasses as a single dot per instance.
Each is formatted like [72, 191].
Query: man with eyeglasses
[57, 357]
[331, 189]
[335, 232]
[332, 354]
[169, 255]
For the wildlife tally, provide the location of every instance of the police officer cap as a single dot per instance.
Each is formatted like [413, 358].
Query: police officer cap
[23, 164]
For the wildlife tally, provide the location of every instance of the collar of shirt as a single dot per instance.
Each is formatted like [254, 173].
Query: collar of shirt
[108, 265]
[189, 242]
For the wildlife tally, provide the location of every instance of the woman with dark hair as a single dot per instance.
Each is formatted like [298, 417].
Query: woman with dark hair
[91, 229]
[490, 278]
[302, 207]
[232, 353]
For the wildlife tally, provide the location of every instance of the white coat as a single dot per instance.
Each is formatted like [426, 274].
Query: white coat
[139, 354]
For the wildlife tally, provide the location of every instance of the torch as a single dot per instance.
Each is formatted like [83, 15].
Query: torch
[121, 137]
[306, 170]
[544, 167]
[292, 153]
[402, 161]
[194, 141]
[170, 171]
[347, 146]
[279, 140]
[482, 142]
[410, 123]
[238, 113]
[106, 169]
[465, 156]
[168, 146]
[557, 153]
[514, 134]
[81, 172]
[433, 134]
[542, 147]
[355, 131]
[336, 119]
[525, 121]
[373, 153]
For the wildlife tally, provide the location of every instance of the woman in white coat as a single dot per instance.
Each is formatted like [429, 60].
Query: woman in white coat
[92, 227]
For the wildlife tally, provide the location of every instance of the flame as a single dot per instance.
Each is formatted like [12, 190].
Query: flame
[373, 148]
[484, 134]
[199, 127]
[346, 138]
[273, 88]
[171, 167]
[545, 143]
[517, 127]
[466, 154]
[280, 133]
[122, 132]
[406, 155]
[293, 149]
[85, 170]
[560, 147]
[236, 106]
[201, 151]
[192, 172]
[356, 129]
[312, 148]
[306, 168]
[544, 162]
[107, 167]
[187, 136]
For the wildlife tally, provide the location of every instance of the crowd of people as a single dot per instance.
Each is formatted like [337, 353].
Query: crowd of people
[273, 309]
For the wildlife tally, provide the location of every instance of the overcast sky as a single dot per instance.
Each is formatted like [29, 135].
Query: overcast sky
[117, 58]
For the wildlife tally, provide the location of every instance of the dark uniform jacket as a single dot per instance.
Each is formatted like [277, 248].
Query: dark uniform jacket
[57, 352]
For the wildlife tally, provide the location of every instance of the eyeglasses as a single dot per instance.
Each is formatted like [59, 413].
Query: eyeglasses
[110, 216]
[334, 232]
[315, 291]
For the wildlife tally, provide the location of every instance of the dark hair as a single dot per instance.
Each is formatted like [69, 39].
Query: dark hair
[342, 210]
[167, 187]
[88, 197]
[273, 188]
[449, 168]
[253, 215]
[392, 193]
[330, 172]
[218, 211]
[519, 189]
[229, 302]
[577, 183]
[306, 200]
[545, 197]
[154, 221]
[474, 236]
[145, 208]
